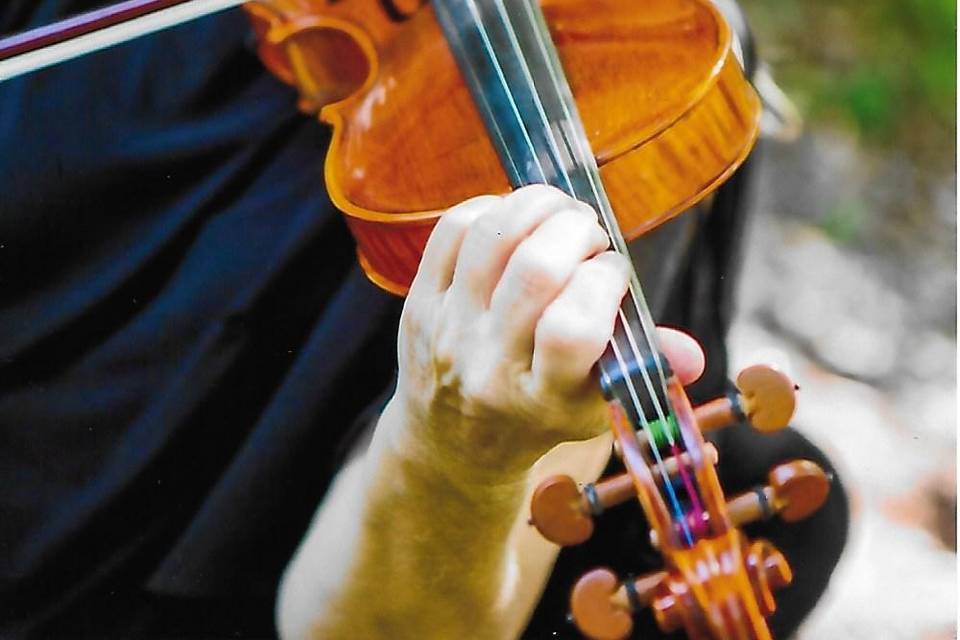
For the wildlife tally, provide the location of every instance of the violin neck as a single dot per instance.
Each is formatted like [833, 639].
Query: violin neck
[98, 29]
[508, 60]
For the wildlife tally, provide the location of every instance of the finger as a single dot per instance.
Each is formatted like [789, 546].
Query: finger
[492, 239]
[574, 329]
[684, 354]
[440, 254]
[537, 272]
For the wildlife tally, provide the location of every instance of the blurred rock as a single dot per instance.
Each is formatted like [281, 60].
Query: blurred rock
[830, 302]
[865, 323]
[899, 219]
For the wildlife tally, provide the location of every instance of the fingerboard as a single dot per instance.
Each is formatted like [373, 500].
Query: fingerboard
[508, 59]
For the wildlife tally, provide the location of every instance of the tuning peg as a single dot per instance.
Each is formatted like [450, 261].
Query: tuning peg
[796, 490]
[766, 398]
[563, 513]
[602, 607]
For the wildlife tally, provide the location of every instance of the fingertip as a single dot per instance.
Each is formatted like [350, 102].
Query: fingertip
[684, 353]
[584, 207]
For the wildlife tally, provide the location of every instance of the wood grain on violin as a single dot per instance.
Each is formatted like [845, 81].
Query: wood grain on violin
[667, 110]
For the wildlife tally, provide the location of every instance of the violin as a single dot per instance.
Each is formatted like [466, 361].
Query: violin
[638, 109]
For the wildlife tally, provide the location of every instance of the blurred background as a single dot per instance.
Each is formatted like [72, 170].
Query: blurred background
[850, 284]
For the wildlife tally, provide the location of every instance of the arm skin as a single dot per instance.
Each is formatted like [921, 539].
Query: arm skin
[423, 533]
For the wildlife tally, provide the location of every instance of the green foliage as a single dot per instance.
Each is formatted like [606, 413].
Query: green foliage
[844, 221]
[886, 69]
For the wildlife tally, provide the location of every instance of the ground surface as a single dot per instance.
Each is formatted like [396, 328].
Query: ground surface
[868, 330]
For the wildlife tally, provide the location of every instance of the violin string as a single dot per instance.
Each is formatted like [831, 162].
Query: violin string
[606, 211]
[518, 54]
[635, 292]
[514, 110]
[492, 56]
[600, 202]
[667, 429]
[475, 12]
[513, 169]
[661, 465]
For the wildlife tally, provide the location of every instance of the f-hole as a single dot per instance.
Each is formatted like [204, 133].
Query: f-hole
[400, 10]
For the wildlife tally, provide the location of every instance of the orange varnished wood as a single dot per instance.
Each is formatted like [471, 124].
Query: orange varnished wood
[664, 103]
[768, 397]
[747, 507]
[799, 488]
[709, 593]
[716, 414]
[795, 491]
[561, 512]
[720, 587]
[599, 607]
[768, 570]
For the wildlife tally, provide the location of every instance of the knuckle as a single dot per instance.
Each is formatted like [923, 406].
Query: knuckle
[488, 224]
[564, 331]
[537, 191]
[535, 270]
[585, 209]
[444, 356]
[463, 215]
[586, 226]
[537, 197]
[608, 267]
[485, 233]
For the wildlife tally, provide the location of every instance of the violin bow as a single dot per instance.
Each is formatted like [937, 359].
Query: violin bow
[97, 29]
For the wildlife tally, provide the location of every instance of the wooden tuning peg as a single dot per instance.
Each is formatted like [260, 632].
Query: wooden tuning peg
[766, 398]
[563, 513]
[560, 512]
[602, 607]
[796, 490]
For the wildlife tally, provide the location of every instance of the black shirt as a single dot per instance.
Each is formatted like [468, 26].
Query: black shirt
[185, 336]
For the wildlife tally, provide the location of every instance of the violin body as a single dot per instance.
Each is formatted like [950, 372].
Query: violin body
[667, 110]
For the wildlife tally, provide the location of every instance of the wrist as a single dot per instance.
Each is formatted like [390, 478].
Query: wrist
[406, 437]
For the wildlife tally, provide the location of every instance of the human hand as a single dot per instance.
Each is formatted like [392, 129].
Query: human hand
[514, 303]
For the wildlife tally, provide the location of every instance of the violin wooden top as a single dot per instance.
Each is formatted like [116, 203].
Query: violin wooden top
[663, 101]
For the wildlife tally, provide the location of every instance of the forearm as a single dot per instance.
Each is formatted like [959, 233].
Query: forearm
[399, 550]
